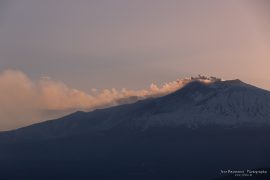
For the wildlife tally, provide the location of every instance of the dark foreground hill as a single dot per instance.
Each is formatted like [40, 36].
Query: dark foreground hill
[193, 133]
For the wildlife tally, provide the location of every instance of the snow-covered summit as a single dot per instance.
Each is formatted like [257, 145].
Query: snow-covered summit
[199, 78]
[199, 103]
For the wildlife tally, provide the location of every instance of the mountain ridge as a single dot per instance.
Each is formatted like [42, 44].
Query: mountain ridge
[229, 103]
[190, 134]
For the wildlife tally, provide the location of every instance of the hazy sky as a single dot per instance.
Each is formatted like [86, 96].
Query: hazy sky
[131, 43]
[128, 43]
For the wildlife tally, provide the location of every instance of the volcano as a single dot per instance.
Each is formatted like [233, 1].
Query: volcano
[196, 132]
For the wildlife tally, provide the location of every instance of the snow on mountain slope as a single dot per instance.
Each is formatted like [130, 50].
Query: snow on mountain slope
[200, 102]
[220, 103]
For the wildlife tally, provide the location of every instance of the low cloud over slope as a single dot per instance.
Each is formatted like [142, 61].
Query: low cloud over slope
[24, 101]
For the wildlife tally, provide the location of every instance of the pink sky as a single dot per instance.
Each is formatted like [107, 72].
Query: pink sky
[105, 44]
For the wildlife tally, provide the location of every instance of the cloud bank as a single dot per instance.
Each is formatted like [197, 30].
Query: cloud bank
[24, 101]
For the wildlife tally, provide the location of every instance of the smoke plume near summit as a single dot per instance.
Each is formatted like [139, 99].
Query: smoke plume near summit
[25, 101]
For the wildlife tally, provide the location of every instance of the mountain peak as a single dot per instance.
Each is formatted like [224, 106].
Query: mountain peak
[212, 80]
[216, 85]
[201, 101]
[234, 82]
[204, 79]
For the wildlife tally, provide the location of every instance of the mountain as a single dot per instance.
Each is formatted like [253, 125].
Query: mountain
[193, 133]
